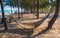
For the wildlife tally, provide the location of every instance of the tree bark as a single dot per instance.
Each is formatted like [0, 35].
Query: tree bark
[18, 10]
[11, 16]
[50, 24]
[18, 13]
[31, 8]
[37, 9]
[4, 19]
[34, 6]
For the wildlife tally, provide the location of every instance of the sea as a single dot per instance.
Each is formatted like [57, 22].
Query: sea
[6, 12]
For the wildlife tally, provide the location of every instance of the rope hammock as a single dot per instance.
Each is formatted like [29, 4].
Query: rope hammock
[35, 24]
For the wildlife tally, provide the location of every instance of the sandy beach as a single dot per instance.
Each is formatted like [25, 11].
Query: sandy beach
[17, 31]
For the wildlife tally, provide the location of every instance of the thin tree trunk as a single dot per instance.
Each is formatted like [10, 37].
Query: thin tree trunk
[18, 13]
[34, 6]
[31, 9]
[4, 20]
[11, 15]
[37, 9]
[11, 10]
[18, 10]
[24, 11]
[55, 15]
[42, 10]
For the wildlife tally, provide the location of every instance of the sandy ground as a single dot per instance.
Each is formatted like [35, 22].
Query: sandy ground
[17, 31]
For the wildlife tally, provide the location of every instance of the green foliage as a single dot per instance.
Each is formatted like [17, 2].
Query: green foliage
[12, 3]
[28, 3]
[44, 4]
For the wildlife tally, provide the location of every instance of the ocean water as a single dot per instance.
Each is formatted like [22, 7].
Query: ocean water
[7, 12]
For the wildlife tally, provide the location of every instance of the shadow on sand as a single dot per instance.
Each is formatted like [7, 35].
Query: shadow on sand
[27, 32]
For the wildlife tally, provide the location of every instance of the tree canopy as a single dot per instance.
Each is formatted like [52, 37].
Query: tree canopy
[28, 3]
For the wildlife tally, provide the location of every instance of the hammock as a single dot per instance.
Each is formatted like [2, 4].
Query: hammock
[35, 24]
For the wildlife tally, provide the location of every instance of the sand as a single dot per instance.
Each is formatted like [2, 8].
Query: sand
[16, 31]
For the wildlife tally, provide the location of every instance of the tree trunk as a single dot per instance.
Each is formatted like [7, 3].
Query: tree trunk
[42, 10]
[31, 9]
[4, 20]
[11, 17]
[34, 6]
[11, 10]
[50, 24]
[18, 13]
[37, 9]
[18, 10]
